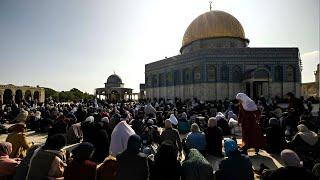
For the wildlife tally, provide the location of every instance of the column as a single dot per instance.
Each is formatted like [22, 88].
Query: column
[13, 95]
[251, 89]
[32, 93]
[1, 96]
[23, 94]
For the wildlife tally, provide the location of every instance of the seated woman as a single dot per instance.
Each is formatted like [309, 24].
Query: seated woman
[132, 164]
[196, 139]
[306, 144]
[18, 139]
[236, 165]
[222, 122]
[48, 162]
[183, 124]
[275, 137]
[196, 167]
[81, 163]
[213, 138]
[235, 129]
[292, 168]
[166, 165]
[7, 165]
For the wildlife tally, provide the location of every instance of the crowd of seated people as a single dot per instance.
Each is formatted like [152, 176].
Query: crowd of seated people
[154, 140]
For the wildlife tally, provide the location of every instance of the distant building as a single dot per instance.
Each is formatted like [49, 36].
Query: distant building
[10, 93]
[312, 88]
[216, 63]
[142, 94]
[114, 90]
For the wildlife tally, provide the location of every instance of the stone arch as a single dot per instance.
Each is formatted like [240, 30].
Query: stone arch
[236, 74]
[278, 74]
[261, 74]
[36, 95]
[290, 73]
[7, 96]
[224, 73]
[18, 97]
[27, 95]
[211, 72]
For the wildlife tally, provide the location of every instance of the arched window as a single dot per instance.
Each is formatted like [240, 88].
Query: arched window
[224, 73]
[177, 77]
[261, 74]
[7, 96]
[18, 97]
[290, 73]
[154, 81]
[211, 72]
[187, 75]
[162, 79]
[278, 74]
[169, 78]
[149, 81]
[27, 95]
[196, 74]
[236, 74]
[36, 95]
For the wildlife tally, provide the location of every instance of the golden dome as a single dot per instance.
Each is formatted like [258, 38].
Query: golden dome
[213, 24]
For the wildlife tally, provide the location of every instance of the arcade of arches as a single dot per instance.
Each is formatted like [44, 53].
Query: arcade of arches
[11, 93]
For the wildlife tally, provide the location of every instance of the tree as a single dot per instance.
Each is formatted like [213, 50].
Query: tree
[66, 96]
[50, 93]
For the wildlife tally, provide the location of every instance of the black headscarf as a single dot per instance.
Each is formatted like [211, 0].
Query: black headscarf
[83, 151]
[167, 154]
[134, 144]
[55, 142]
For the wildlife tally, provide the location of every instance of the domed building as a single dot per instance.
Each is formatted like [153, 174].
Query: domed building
[216, 63]
[114, 89]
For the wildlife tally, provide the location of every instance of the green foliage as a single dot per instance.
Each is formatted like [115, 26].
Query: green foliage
[67, 96]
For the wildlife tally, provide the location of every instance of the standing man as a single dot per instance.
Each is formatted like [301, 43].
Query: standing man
[248, 119]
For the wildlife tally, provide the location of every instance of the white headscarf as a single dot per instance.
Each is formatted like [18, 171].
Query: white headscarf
[149, 109]
[105, 119]
[173, 119]
[89, 119]
[119, 138]
[233, 123]
[231, 115]
[307, 136]
[247, 103]
[219, 116]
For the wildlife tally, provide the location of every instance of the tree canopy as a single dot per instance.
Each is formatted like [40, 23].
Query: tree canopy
[66, 96]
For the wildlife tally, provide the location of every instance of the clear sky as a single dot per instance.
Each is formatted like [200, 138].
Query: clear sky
[63, 44]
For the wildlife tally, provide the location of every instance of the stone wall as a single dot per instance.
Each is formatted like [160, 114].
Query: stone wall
[24, 89]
